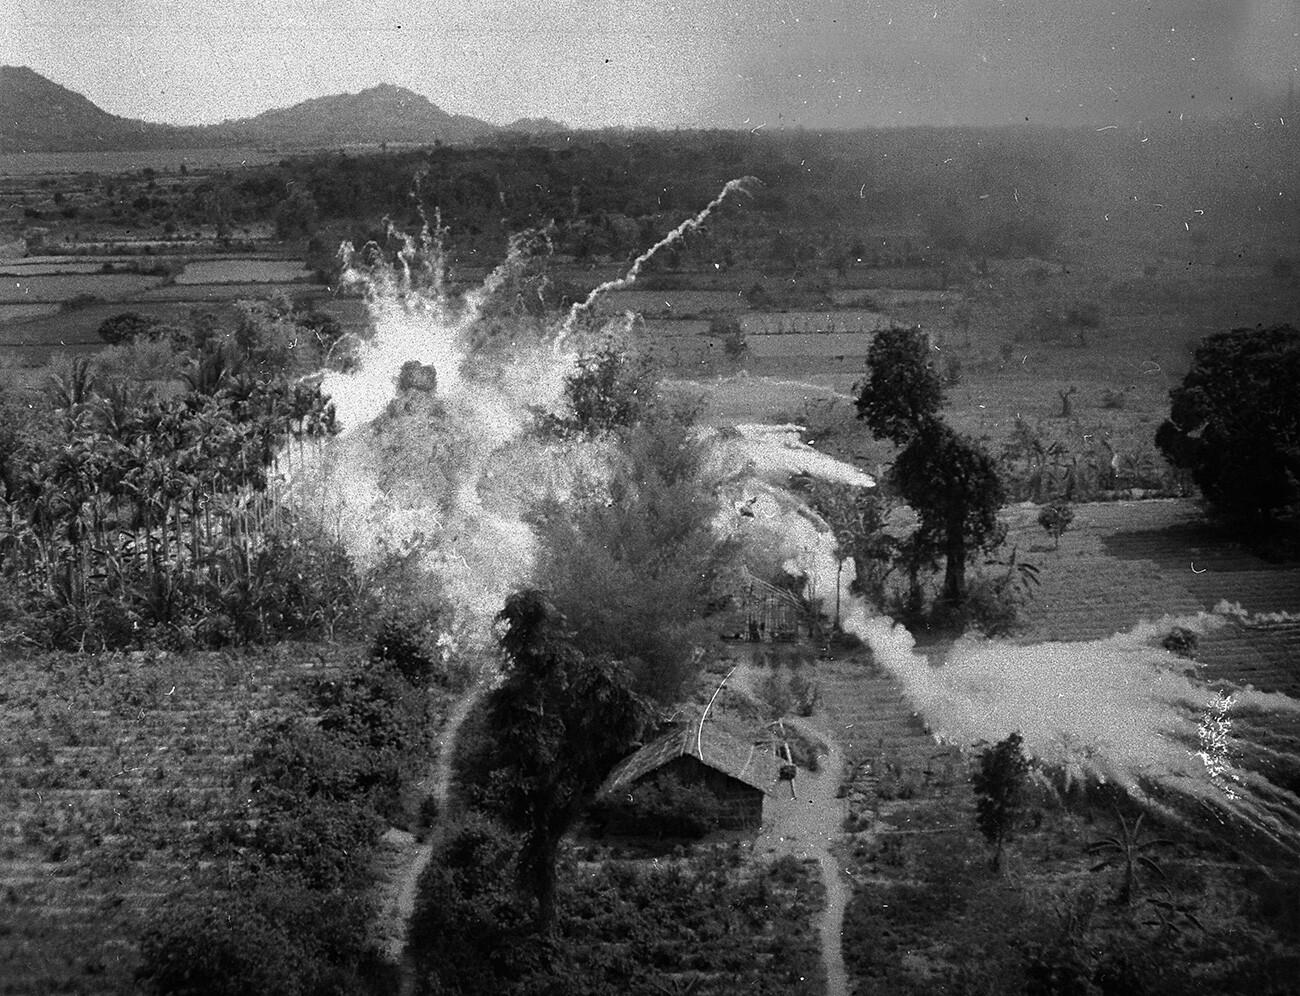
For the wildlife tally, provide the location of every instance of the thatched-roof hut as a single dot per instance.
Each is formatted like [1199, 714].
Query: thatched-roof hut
[739, 774]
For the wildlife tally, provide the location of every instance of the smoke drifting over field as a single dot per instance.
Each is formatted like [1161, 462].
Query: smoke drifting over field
[1122, 711]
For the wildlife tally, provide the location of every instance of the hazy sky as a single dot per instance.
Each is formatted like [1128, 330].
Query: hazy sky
[728, 63]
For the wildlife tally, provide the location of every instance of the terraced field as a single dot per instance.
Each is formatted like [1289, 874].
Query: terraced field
[109, 767]
[1124, 562]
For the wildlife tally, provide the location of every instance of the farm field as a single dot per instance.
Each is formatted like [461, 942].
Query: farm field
[54, 288]
[114, 765]
[121, 774]
[242, 271]
[36, 164]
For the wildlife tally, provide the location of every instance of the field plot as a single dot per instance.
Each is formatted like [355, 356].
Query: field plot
[57, 288]
[46, 265]
[234, 291]
[808, 323]
[670, 303]
[22, 312]
[243, 271]
[112, 766]
[35, 338]
[1123, 562]
[834, 346]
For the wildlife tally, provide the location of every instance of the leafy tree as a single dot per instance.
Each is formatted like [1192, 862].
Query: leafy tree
[857, 518]
[953, 485]
[1234, 421]
[1056, 519]
[561, 721]
[611, 388]
[127, 327]
[999, 786]
[634, 565]
[903, 391]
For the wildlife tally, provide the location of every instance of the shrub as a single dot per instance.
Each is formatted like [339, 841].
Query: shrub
[126, 327]
[1113, 399]
[1181, 641]
[1056, 519]
[727, 328]
[261, 939]
[999, 786]
[403, 645]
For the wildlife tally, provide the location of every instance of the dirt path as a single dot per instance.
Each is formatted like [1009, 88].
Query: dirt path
[806, 824]
[398, 905]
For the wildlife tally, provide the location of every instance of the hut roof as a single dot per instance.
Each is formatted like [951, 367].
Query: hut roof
[745, 761]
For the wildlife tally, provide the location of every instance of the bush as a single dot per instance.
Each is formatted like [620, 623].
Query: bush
[1181, 641]
[1113, 399]
[727, 328]
[1056, 519]
[403, 645]
[261, 939]
[127, 327]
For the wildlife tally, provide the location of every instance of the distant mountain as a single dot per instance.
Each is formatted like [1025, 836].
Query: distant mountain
[38, 115]
[384, 113]
[536, 126]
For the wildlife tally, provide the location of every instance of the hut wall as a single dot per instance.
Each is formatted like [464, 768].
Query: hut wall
[741, 805]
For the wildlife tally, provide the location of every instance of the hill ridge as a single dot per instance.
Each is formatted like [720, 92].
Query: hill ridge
[40, 115]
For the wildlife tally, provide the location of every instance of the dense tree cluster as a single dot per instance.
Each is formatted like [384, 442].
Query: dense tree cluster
[131, 513]
[949, 479]
[1234, 422]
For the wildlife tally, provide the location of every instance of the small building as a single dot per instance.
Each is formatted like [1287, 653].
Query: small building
[737, 773]
[762, 612]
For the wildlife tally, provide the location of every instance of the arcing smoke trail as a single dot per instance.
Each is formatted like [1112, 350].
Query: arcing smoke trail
[690, 224]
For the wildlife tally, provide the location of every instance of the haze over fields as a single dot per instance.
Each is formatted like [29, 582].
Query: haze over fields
[762, 63]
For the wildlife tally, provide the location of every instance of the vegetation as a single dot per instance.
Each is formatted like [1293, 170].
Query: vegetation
[999, 787]
[560, 722]
[1233, 421]
[661, 806]
[634, 563]
[1055, 519]
[954, 486]
[307, 773]
[949, 479]
[1127, 850]
[903, 391]
[711, 922]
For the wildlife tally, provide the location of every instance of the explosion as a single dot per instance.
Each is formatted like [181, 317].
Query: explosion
[437, 461]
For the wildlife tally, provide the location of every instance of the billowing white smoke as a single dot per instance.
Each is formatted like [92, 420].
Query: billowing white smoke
[448, 477]
[1120, 710]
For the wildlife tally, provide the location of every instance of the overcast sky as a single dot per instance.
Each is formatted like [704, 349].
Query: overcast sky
[728, 63]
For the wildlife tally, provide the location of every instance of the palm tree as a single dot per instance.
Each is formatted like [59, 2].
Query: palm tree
[1127, 849]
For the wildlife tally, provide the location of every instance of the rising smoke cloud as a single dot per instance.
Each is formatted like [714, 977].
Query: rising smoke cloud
[448, 478]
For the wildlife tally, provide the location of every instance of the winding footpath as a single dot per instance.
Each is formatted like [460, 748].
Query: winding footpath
[806, 826]
[398, 906]
[806, 822]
